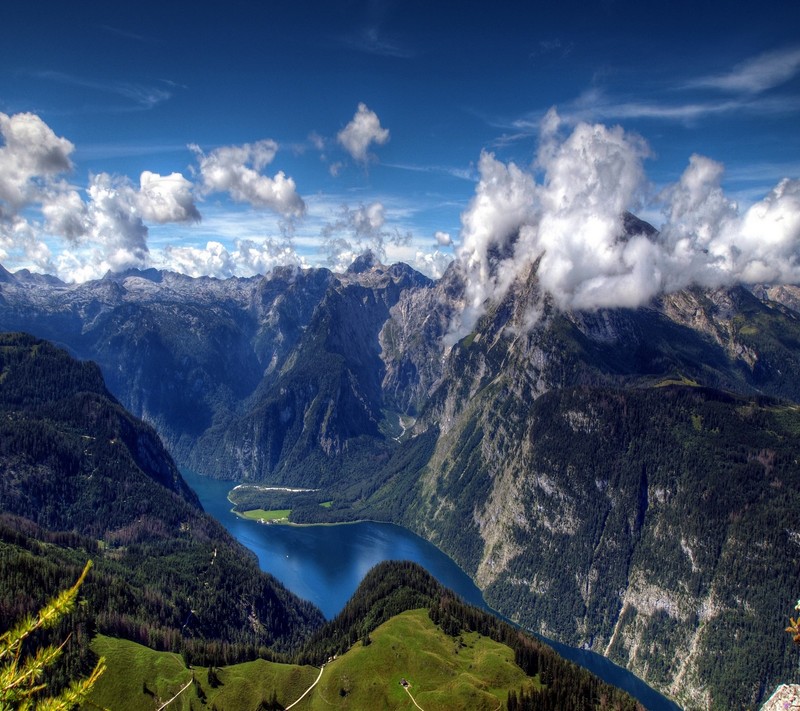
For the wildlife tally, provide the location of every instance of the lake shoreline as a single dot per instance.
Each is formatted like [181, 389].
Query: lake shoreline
[326, 568]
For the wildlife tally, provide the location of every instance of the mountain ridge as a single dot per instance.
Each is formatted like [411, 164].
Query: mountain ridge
[361, 385]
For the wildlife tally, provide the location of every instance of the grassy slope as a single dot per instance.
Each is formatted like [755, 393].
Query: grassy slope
[132, 666]
[443, 674]
[266, 515]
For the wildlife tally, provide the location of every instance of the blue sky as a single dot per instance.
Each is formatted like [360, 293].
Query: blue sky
[311, 130]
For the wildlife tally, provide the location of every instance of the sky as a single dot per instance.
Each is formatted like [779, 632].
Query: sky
[224, 139]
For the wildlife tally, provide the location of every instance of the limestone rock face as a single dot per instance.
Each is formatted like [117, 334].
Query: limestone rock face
[785, 698]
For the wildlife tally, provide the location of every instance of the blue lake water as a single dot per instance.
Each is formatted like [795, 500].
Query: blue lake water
[325, 565]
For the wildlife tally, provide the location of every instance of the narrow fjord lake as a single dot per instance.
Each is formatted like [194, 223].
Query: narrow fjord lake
[325, 565]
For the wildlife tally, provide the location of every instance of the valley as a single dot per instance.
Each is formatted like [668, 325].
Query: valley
[161, 560]
[331, 332]
[620, 479]
[325, 564]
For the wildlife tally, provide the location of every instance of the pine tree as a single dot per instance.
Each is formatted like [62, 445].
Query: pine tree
[20, 678]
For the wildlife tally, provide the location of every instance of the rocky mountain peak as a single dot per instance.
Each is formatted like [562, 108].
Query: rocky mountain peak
[364, 263]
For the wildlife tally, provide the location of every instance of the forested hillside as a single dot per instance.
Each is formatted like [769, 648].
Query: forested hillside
[81, 478]
[609, 477]
[665, 526]
[400, 624]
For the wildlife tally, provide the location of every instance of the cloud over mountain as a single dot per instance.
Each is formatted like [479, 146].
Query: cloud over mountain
[249, 257]
[573, 221]
[357, 230]
[105, 223]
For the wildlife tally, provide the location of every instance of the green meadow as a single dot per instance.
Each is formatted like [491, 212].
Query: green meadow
[444, 673]
[271, 515]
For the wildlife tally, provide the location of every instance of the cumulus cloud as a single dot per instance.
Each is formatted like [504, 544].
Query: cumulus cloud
[31, 157]
[166, 198]
[106, 223]
[17, 234]
[711, 244]
[589, 256]
[108, 232]
[236, 170]
[362, 131]
[443, 239]
[103, 224]
[115, 226]
[434, 264]
[355, 231]
[65, 213]
[250, 257]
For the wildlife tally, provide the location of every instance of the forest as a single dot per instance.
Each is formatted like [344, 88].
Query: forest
[82, 480]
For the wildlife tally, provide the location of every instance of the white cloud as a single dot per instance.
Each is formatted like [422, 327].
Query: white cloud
[116, 228]
[105, 231]
[236, 170]
[65, 213]
[711, 243]
[166, 198]
[17, 234]
[106, 224]
[443, 239]
[573, 224]
[596, 106]
[755, 75]
[364, 129]
[31, 157]
[742, 87]
[354, 231]
[108, 232]
[505, 199]
[142, 96]
[460, 173]
[317, 140]
[434, 264]
[250, 257]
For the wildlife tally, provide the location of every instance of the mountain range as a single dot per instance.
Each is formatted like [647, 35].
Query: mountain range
[623, 479]
[82, 478]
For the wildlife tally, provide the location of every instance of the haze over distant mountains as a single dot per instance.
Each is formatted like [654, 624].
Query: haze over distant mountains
[623, 478]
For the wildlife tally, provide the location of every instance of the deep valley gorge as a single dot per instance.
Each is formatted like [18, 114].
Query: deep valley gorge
[623, 479]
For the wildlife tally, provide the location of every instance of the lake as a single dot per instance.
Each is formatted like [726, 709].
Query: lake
[325, 565]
